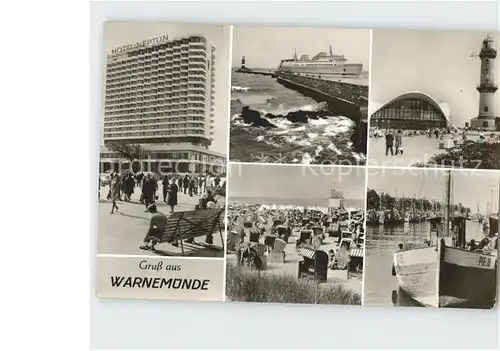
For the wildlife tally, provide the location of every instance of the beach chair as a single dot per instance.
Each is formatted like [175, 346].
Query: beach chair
[192, 224]
[277, 254]
[305, 237]
[231, 241]
[355, 264]
[316, 242]
[314, 264]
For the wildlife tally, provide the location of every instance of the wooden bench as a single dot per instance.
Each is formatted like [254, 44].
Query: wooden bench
[191, 224]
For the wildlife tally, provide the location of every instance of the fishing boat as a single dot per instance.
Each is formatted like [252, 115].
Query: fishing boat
[493, 224]
[441, 272]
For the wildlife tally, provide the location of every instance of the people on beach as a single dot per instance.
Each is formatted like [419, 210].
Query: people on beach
[254, 227]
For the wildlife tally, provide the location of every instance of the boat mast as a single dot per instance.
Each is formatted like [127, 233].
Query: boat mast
[498, 209]
[447, 208]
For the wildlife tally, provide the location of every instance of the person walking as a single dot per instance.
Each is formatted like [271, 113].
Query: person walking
[129, 186]
[148, 190]
[172, 190]
[200, 184]
[114, 187]
[185, 183]
[165, 183]
[389, 143]
[192, 185]
[139, 178]
[399, 141]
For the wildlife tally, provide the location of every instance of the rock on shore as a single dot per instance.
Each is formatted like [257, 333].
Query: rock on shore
[255, 117]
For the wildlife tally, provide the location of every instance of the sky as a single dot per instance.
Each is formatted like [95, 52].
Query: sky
[265, 47]
[117, 34]
[279, 181]
[468, 186]
[438, 63]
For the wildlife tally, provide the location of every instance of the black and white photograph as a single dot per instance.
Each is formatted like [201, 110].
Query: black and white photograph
[299, 95]
[432, 238]
[434, 100]
[295, 234]
[164, 139]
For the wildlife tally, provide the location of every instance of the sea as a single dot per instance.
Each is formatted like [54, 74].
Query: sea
[290, 142]
[379, 284]
[351, 203]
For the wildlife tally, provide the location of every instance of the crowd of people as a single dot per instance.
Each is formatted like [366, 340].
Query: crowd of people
[252, 225]
[123, 185]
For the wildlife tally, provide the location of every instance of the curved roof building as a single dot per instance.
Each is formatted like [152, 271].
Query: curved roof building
[412, 110]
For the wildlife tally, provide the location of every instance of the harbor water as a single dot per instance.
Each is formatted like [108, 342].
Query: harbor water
[299, 143]
[381, 242]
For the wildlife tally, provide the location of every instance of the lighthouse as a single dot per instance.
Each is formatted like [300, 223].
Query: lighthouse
[336, 200]
[487, 88]
[243, 66]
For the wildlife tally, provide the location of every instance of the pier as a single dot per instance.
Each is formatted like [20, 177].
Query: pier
[345, 99]
[256, 71]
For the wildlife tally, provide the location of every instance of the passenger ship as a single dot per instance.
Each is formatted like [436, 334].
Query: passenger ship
[321, 64]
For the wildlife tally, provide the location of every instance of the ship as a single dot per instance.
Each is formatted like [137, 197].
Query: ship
[323, 64]
[444, 272]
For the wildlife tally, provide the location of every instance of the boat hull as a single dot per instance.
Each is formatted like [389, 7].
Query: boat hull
[443, 276]
[493, 224]
[467, 279]
[416, 271]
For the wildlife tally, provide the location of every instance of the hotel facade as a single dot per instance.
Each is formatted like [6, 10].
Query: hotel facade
[159, 94]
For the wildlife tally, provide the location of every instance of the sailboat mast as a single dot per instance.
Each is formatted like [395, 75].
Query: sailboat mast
[491, 204]
[498, 209]
[447, 208]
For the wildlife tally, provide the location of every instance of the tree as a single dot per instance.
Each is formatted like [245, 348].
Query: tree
[372, 200]
[129, 151]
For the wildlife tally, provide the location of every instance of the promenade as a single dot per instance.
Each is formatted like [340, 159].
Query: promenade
[416, 149]
[123, 232]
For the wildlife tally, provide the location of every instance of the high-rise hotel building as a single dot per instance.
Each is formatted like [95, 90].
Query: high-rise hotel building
[160, 94]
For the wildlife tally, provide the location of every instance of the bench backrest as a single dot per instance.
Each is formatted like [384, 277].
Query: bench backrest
[191, 224]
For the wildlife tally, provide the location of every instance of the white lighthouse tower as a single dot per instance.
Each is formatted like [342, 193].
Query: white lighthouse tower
[487, 88]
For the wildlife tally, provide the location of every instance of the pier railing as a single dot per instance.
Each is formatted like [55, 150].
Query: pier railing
[348, 100]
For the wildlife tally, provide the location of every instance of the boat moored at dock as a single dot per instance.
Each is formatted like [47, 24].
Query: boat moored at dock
[446, 270]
